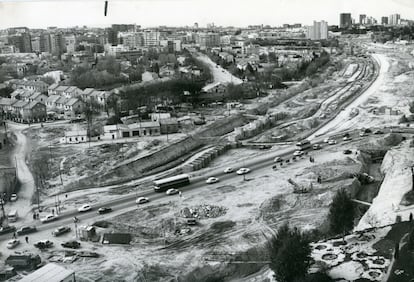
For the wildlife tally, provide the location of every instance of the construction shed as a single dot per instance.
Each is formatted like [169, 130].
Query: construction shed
[116, 238]
[51, 272]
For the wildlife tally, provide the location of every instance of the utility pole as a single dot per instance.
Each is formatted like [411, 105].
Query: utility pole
[15, 160]
[3, 216]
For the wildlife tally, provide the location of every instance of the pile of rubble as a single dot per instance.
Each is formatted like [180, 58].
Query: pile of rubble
[203, 211]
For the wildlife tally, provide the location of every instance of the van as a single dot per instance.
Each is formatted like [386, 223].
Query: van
[12, 216]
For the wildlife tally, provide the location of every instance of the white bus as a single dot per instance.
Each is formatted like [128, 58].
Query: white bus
[163, 185]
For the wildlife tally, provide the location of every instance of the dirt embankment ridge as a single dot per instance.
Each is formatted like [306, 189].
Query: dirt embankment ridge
[140, 167]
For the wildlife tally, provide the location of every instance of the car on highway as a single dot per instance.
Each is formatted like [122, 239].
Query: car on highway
[61, 230]
[43, 244]
[13, 198]
[326, 140]
[331, 142]
[26, 230]
[228, 170]
[378, 132]
[85, 208]
[104, 210]
[48, 218]
[142, 200]
[277, 160]
[12, 243]
[347, 138]
[298, 153]
[7, 229]
[172, 191]
[362, 134]
[243, 170]
[71, 244]
[316, 146]
[212, 180]
[347, 152]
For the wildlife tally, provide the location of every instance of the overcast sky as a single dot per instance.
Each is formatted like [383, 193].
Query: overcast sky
[147, 13]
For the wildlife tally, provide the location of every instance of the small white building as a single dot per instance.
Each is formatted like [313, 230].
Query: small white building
[159, 116]
[51, 272]
[75, 137]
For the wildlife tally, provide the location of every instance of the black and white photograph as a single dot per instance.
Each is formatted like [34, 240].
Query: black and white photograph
[207, 140]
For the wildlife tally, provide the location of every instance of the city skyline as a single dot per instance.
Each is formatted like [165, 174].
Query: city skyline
[169, 12]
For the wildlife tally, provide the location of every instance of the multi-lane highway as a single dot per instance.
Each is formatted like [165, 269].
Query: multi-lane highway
[258, 163]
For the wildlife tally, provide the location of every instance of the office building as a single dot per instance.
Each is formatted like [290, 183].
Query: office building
[45, 43]
[362, 19]
[57, 44]
[22, 42]
[111, 36]
[318, 31]
[384, 20]
[394, 19]
[36, 43]
[345, 20]
[208, 40]
[152, 37]
[70, 43]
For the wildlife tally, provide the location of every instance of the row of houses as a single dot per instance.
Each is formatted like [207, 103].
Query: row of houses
[98, 96]
[38, 86]
[23, 111]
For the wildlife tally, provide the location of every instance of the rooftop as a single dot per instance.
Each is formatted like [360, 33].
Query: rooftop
[50, 272]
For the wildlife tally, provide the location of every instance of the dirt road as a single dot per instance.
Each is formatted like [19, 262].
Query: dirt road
[23, 204]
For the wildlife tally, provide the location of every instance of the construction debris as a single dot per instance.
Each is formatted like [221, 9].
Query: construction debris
[203, 211]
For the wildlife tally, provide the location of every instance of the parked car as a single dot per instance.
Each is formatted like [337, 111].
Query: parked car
[362, 133]
[71, 244]
[172, 191]
[26, 230]
[228, 170]
[347, 138]
[378, 132]
[12, 243]
[7, 229]
[347, 152]
[142, 200]
[13, 198]
[212, 180]
[277, 160]
[326, 140]
[48, 218]
[43, 244]
[243, 170]
[332, 142]
[298, 153]
[316, 146]
[191, 221]
[61, 230]
[367, 131]
[84, 208]
[104, 210]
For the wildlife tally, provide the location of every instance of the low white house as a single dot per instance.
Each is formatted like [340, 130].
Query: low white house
[75, 136]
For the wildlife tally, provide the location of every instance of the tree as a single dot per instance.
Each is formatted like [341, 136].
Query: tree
[289, 254]
[410, 243]
[412, 107]
[341, 213]
[47, 79]
[235, 92]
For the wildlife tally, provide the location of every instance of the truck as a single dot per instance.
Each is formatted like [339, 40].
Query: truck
[12, 216]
